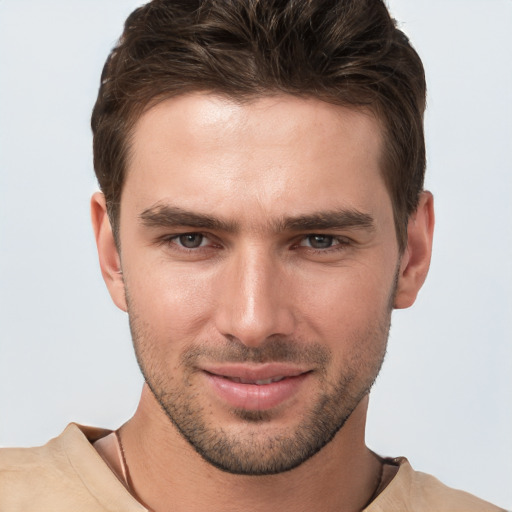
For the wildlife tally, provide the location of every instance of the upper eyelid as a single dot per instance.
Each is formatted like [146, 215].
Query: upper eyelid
[174, 236]
[295, 236]
[341, 239]
[339, 242]
[177, 234]
[168, 242]
[212, 239]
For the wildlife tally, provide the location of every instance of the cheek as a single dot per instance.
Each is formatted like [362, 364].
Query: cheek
[345, 306]
[172, 303]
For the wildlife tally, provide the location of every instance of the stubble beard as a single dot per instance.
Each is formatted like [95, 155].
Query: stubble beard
[255, 449]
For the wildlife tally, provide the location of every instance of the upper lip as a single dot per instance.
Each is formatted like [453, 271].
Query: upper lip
[255, 373]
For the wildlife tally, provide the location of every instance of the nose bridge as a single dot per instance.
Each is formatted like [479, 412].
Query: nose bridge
[254, 304]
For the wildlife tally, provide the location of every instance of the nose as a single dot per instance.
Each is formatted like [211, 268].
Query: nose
[255, 302]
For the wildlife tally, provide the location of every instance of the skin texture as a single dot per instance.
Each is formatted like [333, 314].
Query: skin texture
[257, 240]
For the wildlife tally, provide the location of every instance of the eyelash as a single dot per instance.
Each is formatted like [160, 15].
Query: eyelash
[339, 243]
[171, 241]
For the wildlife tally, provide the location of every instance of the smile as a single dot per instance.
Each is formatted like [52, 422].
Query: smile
[262, 382]
[255, 389]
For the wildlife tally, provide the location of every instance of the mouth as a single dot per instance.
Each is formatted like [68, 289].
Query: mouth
[256, 388]
[261, 382]
[259, 375]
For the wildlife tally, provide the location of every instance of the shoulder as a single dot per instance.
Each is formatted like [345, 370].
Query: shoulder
[414, 490]
[26, 473]
[64, 474]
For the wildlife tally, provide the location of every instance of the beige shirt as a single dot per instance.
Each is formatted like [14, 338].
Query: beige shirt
[67, 474]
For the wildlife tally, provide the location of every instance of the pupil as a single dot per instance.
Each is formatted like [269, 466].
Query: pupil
[191, 240]
[320, 241]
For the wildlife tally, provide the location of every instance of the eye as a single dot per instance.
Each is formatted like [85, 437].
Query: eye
[191, 240]
[319, 241]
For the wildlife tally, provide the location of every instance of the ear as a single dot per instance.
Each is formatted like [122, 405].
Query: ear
[110, 261]
[416, 258]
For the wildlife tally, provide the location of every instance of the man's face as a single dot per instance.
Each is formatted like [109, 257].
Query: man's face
[259, 259]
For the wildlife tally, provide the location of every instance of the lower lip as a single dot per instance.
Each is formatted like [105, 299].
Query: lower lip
[255, 397]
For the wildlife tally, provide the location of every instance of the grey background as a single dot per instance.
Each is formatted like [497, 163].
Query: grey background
[444, 398]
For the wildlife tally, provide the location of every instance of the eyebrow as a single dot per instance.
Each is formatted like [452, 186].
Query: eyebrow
[168, 216]
[171, 216]
[336, 219]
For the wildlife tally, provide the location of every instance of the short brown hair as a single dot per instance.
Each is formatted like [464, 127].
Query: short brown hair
[346, 52]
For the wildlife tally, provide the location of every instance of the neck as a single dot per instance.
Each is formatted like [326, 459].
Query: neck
[167, 473]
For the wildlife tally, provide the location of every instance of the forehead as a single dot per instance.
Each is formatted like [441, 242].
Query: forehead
[273, 155]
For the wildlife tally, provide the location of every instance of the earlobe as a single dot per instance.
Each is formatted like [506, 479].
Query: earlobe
[416, 258]
[109, 258]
